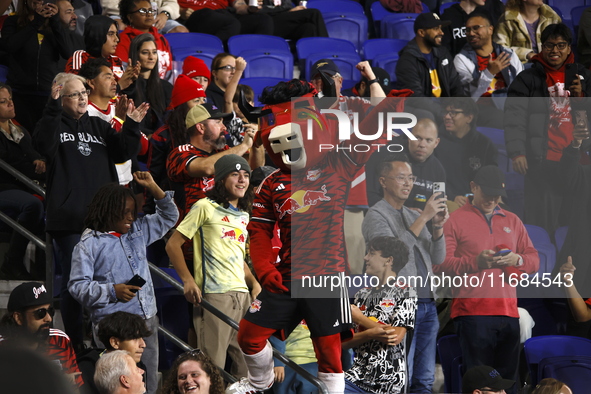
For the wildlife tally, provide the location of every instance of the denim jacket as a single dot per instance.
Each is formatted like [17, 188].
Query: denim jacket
[101, 260]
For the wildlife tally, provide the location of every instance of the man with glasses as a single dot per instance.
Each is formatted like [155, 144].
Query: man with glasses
[541, 112]
[426, 67]
[486, 68]
[462, 150]
[490, 248]
[29, 323]
[390, 218]
[484, 379]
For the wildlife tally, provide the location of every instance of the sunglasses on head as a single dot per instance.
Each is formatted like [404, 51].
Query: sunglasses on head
[39, 314]
[194, 353]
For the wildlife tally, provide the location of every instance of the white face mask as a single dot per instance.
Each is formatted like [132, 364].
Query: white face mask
[287, 141]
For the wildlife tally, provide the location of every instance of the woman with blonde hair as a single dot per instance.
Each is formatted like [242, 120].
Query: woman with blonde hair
[552, 386]
[522, 24]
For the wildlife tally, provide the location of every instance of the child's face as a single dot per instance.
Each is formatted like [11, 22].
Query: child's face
[123, 225]
[375, 264]
[236, 184]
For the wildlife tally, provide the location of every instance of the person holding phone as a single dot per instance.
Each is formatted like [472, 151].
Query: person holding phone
[487, 246]
[112, 251]
[389, 217]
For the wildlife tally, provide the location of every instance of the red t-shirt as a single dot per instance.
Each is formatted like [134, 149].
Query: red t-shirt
[498, 81]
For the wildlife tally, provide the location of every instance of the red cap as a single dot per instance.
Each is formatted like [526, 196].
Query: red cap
[195, 67]
[185, 89]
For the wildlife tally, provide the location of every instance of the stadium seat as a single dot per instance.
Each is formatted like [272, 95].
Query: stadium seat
[387, 62]
[560, 237]
[268, 64]
[330, 47]
[450, 353]
[3, 73]
[256, 42]
[401, 28]
[258, 84]
[575, 371]
[344, 19]
[382, 46]
[378, 12]
[538, 348]
[198, 41]
[543, 244]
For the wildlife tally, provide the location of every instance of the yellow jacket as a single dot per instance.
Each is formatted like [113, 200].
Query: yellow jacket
[512, 32]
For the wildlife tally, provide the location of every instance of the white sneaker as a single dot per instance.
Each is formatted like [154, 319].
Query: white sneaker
[243, 386]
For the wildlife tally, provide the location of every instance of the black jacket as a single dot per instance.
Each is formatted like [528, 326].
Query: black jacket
[462, 158]
[527, 111]
[215, 96]
[32, 66]
[81, 156]
[20, 156]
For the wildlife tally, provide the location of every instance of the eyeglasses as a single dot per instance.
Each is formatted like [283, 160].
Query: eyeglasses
[6, 101]
[475, 28]
[453, 114]
[39, 314]
[227, 68]
[144, 11]
[77, 95]
[550, 46]
[401, 179]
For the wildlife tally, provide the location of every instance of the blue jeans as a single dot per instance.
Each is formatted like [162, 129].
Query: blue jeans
[421, 355]
[294, 383]
[352, 388]
[492, 341]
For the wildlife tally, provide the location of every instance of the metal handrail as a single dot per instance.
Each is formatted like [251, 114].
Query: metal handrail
[232, 323]
[23, 231]
[22, 177]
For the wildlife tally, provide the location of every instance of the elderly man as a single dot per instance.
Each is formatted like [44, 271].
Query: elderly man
[29, 322]
[390, 218]
[486, 242]
[116, 373]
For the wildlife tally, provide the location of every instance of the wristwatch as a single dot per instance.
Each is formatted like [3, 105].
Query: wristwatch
[373, 81]
[167, 14]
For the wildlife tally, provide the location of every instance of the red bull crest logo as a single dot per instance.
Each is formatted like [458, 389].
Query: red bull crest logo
[387, 304]
[301, 201]
[255, 306]
[207, 183]
[233, 235]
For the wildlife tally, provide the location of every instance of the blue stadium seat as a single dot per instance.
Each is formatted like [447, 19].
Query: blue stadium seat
[330, 47]
[450, 354]
[387, 62]
[260, 42]
[543, 244]
[538, 348]
[565, 7]
[445, 6]
[344, 19]
[399, 28]
[3, 73]
[258, 84]
[379, 12]
[382, 46]
[198, 41]
[575, 371]
[268, 64]
[560, 237]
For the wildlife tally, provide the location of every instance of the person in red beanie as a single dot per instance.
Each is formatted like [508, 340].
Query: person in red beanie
[186, 93]
[197, 70]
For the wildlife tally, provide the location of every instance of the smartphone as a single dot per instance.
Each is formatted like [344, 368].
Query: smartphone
[501, 253]
[439, 187]
[136, 281]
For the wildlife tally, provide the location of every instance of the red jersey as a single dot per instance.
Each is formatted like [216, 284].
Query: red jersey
[80, 57]
[498, 82]
[164, 51]
[59, 350]
[176, 166]
[201, 4]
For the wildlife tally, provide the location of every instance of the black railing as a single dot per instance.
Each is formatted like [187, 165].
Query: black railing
[22, 177]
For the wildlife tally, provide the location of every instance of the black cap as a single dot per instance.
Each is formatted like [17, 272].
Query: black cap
[484, 376]
[325, 65]
[429, 20]
[491, 180]
[229, 163]
[28, 294]
[383, 79]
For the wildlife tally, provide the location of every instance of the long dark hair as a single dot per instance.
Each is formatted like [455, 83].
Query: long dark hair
[220, 195]
[108, 207]
[153, 89]
[96, 29]
[177, 126]
[171, 385]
